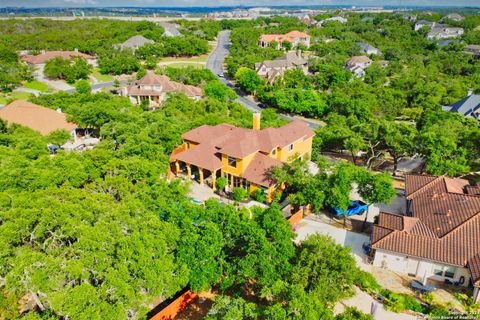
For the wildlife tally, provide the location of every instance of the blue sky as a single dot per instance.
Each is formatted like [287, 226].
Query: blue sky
[188, 3]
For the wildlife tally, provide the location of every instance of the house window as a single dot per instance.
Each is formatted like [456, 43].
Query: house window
[450, 272]
[274, 152]
[188, 145]
[232, 162]
[438, 271]
[444, 271]
[290, 148]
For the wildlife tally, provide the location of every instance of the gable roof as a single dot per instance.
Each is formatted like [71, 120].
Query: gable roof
[35, 117]
[468, 106]
[136, 42]
[290, 59]
[291, 36]
[258, 171]
[48, 55]
[358, 59]
[165, 85]
[444, 226]
[365, 47]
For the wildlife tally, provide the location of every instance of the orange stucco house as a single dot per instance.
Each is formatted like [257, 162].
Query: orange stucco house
[244, 156]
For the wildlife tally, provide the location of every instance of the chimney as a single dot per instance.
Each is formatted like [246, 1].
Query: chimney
[256, 121]
[470, 91]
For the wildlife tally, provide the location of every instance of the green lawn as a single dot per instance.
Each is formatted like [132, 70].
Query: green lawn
[36, 85]
[15, 95]
[101, 77]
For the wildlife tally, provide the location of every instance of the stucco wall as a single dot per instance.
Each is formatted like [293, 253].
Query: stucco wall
[414, 266]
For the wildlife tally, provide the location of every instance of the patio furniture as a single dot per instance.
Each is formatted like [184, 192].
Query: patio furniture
[422, 288]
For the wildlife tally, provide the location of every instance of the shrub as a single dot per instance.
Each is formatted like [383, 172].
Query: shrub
[83, 86]
[398, 302]
[366, 281]
[238, 194]
[259, 195]
[221, 183]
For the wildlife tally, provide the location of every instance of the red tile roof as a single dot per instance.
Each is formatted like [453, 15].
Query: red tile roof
[35, 117]
[44, 57]
[258, 171]
[444, 226]
[240, 142]
[166, 85]
[291, 36]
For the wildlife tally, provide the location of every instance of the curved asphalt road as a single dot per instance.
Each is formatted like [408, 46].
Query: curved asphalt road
[215, 64]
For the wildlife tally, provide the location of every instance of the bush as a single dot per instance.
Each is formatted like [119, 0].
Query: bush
[259, 195]
[83, 86]
[398, 302]
[221, 183]
[367, 282]
[239, 194]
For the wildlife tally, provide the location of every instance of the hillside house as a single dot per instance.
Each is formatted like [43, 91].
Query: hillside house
[454, 17]
[171, 29]
[45, 121]
[243, 156]
[271, 69]
[44, 56]
[442, 32]
[294, 37]
[438, 238]
[154, 88]
[472, 49]
[135, 42]
[468, 106]
[357, 65]
[423, 23]
[336, 19]
[368, 49]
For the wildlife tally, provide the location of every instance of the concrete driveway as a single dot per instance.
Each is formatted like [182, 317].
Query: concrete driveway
[314, 224]
[362, 301]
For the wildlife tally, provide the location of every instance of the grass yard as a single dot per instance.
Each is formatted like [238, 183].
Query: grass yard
[36, 85]
[102, 77]
[15, 95]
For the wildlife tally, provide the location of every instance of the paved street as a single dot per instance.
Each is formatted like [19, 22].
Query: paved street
[215, 64]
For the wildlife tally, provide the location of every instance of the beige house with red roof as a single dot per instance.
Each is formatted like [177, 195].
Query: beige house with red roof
[154, 88]
[294, 37]
[48, 55]
[244, 156]
[438, 238]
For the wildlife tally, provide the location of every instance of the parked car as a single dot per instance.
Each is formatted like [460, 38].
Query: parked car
[221, 75]
[356, 207]
[262, 105]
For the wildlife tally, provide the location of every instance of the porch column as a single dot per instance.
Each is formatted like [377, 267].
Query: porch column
[138, 99]
[214, 180]
[200, 171]
[476, 294]
[231, 181]
[177, 167]
[189, 171]
[150, 99]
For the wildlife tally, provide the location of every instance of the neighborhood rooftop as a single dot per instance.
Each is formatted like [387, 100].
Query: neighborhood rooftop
[44, 57]
[443, 223]
[35, 117]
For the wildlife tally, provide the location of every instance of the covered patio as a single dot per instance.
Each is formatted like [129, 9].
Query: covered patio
[198, 163]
